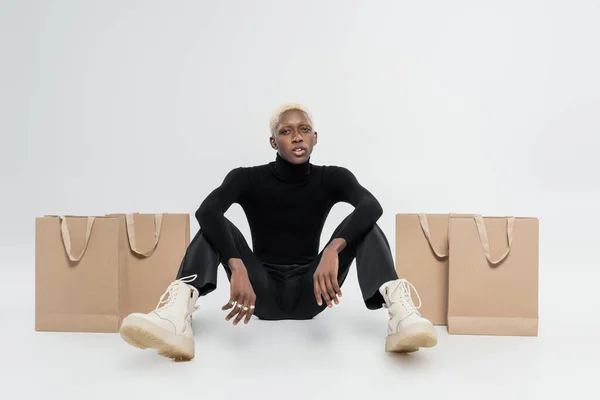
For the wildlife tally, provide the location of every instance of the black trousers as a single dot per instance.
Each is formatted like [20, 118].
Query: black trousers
[286, 291]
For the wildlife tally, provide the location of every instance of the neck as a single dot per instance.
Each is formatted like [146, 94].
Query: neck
[290, 172]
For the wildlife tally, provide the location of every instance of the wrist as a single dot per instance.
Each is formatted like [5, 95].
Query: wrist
[236, 265]
[336, 245]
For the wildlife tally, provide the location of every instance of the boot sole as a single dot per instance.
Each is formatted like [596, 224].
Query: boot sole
[411, 339]
[143, 334]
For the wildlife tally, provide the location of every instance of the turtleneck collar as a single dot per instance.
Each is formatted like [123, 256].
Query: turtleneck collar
[289, 172]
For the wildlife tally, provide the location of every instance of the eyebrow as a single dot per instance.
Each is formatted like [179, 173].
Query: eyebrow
[300, 124]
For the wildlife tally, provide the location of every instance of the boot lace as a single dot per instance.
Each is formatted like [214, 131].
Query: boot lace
[169, 296]
[401, 292]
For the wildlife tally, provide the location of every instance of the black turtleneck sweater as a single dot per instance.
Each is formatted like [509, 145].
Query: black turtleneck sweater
[286, 206]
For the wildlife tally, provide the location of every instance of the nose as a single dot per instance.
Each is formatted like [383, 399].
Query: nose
[297, 137]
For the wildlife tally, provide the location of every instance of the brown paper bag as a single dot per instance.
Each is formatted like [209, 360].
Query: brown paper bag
[156, 244]
[493, 276]
[91, 272]
[78, 274]
[422, 258]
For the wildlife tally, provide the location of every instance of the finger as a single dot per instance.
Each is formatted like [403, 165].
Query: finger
[336, 287]
[330, 289]
[317, 290]
[324, 293]
[229, 304]
[235, 308]
[234, 312]
[242, 313]
[250, 311]
[232, 301]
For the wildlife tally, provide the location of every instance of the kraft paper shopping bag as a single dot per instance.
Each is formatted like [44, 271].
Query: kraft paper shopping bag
[156, 245]
[422, 259]
[79, 273]
[493, 275]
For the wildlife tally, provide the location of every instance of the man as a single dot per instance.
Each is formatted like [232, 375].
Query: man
[284, 276]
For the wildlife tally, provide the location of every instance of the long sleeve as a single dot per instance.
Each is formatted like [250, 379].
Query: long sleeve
[210, 214]
[367, 209]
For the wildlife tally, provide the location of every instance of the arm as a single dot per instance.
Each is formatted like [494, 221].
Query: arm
[210, 214]
[367, 209]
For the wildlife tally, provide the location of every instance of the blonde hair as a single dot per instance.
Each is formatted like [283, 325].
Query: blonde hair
[286, 107]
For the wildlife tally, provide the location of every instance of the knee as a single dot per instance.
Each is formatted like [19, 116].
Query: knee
[235, 232]
[205, 216]
[376, 233]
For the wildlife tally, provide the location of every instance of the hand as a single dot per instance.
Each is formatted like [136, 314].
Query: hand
[325, 279]
[242, 294]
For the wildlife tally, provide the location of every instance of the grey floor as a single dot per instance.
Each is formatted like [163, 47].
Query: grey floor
[337, 355]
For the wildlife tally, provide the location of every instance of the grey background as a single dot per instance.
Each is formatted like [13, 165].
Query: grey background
[463, 106]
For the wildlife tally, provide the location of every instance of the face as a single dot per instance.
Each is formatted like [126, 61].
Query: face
[294, 138]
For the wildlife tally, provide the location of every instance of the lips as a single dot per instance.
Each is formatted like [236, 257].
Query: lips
[299, 151]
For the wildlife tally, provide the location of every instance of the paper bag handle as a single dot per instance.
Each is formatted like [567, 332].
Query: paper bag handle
[66, 237]
[425, 228]
[510, 227]
[131, 234]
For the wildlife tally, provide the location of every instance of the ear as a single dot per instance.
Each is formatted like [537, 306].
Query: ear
[316, 138]
[273, 143]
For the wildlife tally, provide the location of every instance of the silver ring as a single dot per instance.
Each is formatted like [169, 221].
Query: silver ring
[252, 307]
[239, 305]
[245, 308]
[232, 302]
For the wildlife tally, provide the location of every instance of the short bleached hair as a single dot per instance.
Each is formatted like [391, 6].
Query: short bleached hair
[287, 107]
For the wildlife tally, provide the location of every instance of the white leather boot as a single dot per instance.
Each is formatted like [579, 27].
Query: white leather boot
[407, 329]
[168, 328]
